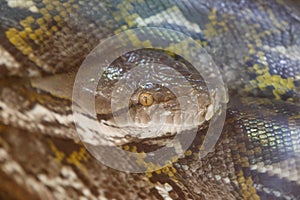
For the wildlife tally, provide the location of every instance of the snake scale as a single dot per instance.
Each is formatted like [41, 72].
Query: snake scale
[256, 45]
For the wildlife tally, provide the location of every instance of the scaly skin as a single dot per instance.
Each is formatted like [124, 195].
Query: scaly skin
[256, 45]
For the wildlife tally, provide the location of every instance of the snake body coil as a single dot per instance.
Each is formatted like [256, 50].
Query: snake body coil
[255, 44]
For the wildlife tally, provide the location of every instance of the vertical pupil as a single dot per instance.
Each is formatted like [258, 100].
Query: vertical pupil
[146, 99]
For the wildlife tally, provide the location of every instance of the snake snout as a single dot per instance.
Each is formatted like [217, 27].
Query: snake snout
[158, 106]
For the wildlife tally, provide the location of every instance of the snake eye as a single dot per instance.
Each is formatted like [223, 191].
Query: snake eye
[146, 99]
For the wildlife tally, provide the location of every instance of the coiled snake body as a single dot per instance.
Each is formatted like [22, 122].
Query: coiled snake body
[254, 43]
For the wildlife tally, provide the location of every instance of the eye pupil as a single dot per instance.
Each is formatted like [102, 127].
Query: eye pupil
[146, 99]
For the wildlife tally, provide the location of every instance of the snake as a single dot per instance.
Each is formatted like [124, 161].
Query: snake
[254, 44]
